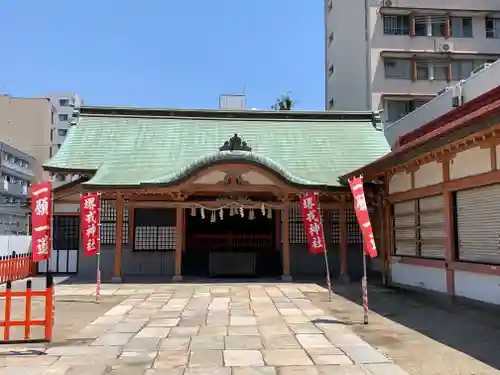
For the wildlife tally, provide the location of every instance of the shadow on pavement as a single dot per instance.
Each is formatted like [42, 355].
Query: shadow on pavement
[473, 329]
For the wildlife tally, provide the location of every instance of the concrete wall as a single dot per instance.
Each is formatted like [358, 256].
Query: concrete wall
[25, 124]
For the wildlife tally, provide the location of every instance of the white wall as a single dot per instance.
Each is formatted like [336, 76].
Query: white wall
[485, 288]
[417, 276]
[348, 84]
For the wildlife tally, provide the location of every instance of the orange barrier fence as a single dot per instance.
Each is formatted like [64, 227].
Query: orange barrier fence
[28, 322]
[15, 267]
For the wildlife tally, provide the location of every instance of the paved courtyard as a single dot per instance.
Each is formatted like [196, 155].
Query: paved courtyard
[197, 329]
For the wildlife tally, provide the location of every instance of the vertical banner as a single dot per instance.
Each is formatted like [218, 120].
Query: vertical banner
[312, 222]
[363, 216]
[89, 209]
[41, 219]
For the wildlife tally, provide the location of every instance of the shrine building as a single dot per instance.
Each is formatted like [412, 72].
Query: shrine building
[214, 193]
[443, 199]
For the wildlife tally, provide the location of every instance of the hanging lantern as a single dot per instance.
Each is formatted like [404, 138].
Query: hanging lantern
[212, 217]
[232, 211]
[263, 209]
[269, 213]
[251, 215]
[221, 214]
[242, 211]
[203, 212]
[193, 211]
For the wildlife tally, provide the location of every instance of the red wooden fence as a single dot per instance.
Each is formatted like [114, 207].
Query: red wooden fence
[47, 322]
[15, 267]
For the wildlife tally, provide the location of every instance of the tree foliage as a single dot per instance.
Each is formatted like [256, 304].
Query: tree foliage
[284, 103]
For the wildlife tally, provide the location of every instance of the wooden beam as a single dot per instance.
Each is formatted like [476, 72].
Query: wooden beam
[179, 224]
[468, 182]
[119, 239]
[285, 230]
[343, 239]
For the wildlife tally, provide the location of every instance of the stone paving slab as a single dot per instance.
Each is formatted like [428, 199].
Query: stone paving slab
[234, 329]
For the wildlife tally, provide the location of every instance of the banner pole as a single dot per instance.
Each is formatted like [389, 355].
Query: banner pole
[325, 252]
[98, 275]
[52, 223]
[364, 287]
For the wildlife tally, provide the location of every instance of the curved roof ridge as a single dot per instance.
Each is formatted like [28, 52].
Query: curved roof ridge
[231, 156]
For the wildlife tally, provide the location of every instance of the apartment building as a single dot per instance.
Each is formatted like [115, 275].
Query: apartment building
[25, 125]
[16, 174]
[67, 108]
[395, 55]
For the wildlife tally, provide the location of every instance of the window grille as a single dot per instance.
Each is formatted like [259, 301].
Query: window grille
[335, 226]
[296, 225]
[66, 232]
[352, 227]
[396, 25]
[108, 223]
[155, 229]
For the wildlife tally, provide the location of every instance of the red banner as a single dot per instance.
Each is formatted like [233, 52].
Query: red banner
[363, 216]
[41, 217]
[89, 209]
[312, 222]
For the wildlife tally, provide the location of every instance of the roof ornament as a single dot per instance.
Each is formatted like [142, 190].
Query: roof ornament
[235, 143]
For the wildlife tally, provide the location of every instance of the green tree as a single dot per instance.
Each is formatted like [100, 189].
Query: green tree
[284, 103]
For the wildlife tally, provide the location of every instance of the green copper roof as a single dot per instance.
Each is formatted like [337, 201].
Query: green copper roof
[128, 147]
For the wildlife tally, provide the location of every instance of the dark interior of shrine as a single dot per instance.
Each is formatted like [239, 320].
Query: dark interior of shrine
[228, 245]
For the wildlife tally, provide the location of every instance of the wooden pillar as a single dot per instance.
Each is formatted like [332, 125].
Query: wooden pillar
[385, 215]
[285, 232]
[449, 224]
[179, 243]
[344, 276]
[450, 242]
[117, 276]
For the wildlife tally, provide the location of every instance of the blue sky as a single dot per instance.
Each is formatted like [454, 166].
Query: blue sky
[164, 53]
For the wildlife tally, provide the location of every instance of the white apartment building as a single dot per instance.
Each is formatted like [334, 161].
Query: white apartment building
[395, 55]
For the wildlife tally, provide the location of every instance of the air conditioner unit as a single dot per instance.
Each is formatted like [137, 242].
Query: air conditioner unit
[444, 47]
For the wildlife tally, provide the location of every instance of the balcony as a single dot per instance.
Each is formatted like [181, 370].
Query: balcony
[479, 83]
[463, 5]
[14, 189]
[16, 168]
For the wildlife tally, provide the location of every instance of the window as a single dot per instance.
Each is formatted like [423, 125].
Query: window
[334, 226]
[492, 26]
[353, 231]
[297, 233]
[64, 102]
[419, 228]
[330, 38]
[397, 109]
[397, 68]
[62, 132]
[434, 25]
[432, 70]
[108, 224]
[330, 70]
[461, 27]
[155, 229]
[63, 117]
[396, 25]
[66, 232]
[461, 69]
[331, 103]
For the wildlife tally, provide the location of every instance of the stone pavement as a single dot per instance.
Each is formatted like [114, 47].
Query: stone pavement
[200, 329]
